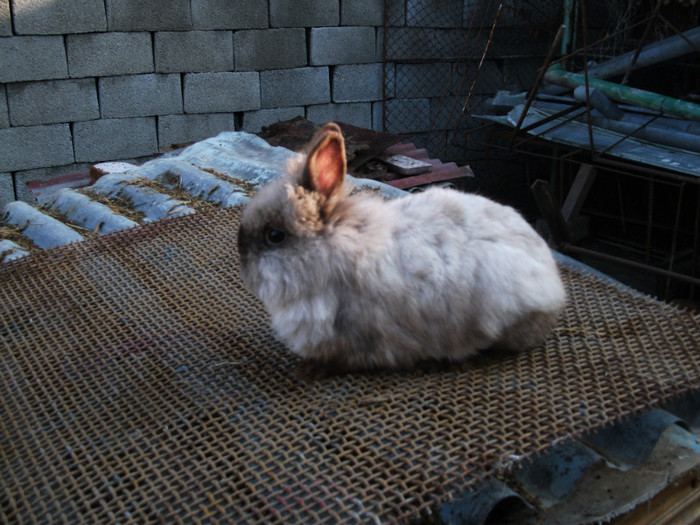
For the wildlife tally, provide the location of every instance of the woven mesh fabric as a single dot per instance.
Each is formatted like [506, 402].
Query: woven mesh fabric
[140, 382]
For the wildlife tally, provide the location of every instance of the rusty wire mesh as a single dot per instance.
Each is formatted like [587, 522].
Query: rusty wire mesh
[140, 382]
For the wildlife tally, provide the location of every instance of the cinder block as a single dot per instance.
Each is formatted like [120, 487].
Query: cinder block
[270, 49]
[137, 15]
[448, 113]
[342, 45]
[377, 116]
[28, 147]
[4, 116]
[507, 38]
[222, 92]
[254, 121]
[105, 54]
[357, 83]
[403, 115]
[396, 14]
[140, 95]
[38, 17]
[527, 14]
[358, 114]
[7, 189]
[485, 80]
[24, 178]
[221, 14]
[5, 23]
[25, 58]
[362, 13]
[193, 51]
[456, 112]
[114, 139]
[52, 101]
[434, 13]
[424, 80]
[304, 13]
[390, 80]
[409, 43]
[519, 74]
[180, 129]
[295, 87]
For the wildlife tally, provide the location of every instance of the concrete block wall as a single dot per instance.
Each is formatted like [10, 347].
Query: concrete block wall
[85, 81]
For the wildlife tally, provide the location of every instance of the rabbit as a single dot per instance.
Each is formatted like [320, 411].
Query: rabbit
[355, 281]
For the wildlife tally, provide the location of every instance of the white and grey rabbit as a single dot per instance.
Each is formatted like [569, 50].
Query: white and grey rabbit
[356, 281]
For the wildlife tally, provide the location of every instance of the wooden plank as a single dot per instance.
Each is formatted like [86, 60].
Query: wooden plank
[429, 178]
[578, 192]
[550, 211]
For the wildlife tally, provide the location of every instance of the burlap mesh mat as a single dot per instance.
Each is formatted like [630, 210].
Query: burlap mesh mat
[140, 382]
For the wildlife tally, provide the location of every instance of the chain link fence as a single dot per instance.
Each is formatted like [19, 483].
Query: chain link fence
[443, 59]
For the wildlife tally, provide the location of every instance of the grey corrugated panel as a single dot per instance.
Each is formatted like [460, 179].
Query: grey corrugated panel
[629, 443]
[237, 163]
[570, 132]
[552, 477]
[239, 155]
[605, 492]
[42, 230]
[688, 409]
[153, 204]
[177, 174]
[10, 250]
[474, 508]
[571, 483]
[85, 212]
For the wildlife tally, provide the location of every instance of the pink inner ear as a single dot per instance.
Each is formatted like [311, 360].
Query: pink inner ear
[327, 166]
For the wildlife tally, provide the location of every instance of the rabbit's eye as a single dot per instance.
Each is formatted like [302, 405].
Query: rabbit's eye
[273, 236]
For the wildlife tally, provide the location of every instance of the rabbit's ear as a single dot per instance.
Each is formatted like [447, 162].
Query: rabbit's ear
[326, 163]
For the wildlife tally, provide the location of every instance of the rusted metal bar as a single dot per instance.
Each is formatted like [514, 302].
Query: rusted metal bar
[626, 136]
[577, 250]
[589, 120]
[621, 204]
[681, 34]
[674, 239]
[650, 221]
[645, 35]
[538, 81]
[545, 121]
[696, 241]
[552, 117]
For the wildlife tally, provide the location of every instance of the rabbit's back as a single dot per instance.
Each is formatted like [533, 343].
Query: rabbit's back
[455, 273]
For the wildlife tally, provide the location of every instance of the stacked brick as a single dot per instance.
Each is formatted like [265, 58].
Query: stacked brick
[84, 81]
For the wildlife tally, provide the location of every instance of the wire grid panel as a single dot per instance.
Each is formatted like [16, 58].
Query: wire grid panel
[139, 382]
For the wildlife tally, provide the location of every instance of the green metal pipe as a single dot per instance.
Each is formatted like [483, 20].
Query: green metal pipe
[628, 95]
[567, 41]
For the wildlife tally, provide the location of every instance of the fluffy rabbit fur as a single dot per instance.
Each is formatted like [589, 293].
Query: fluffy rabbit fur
[356, 281]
